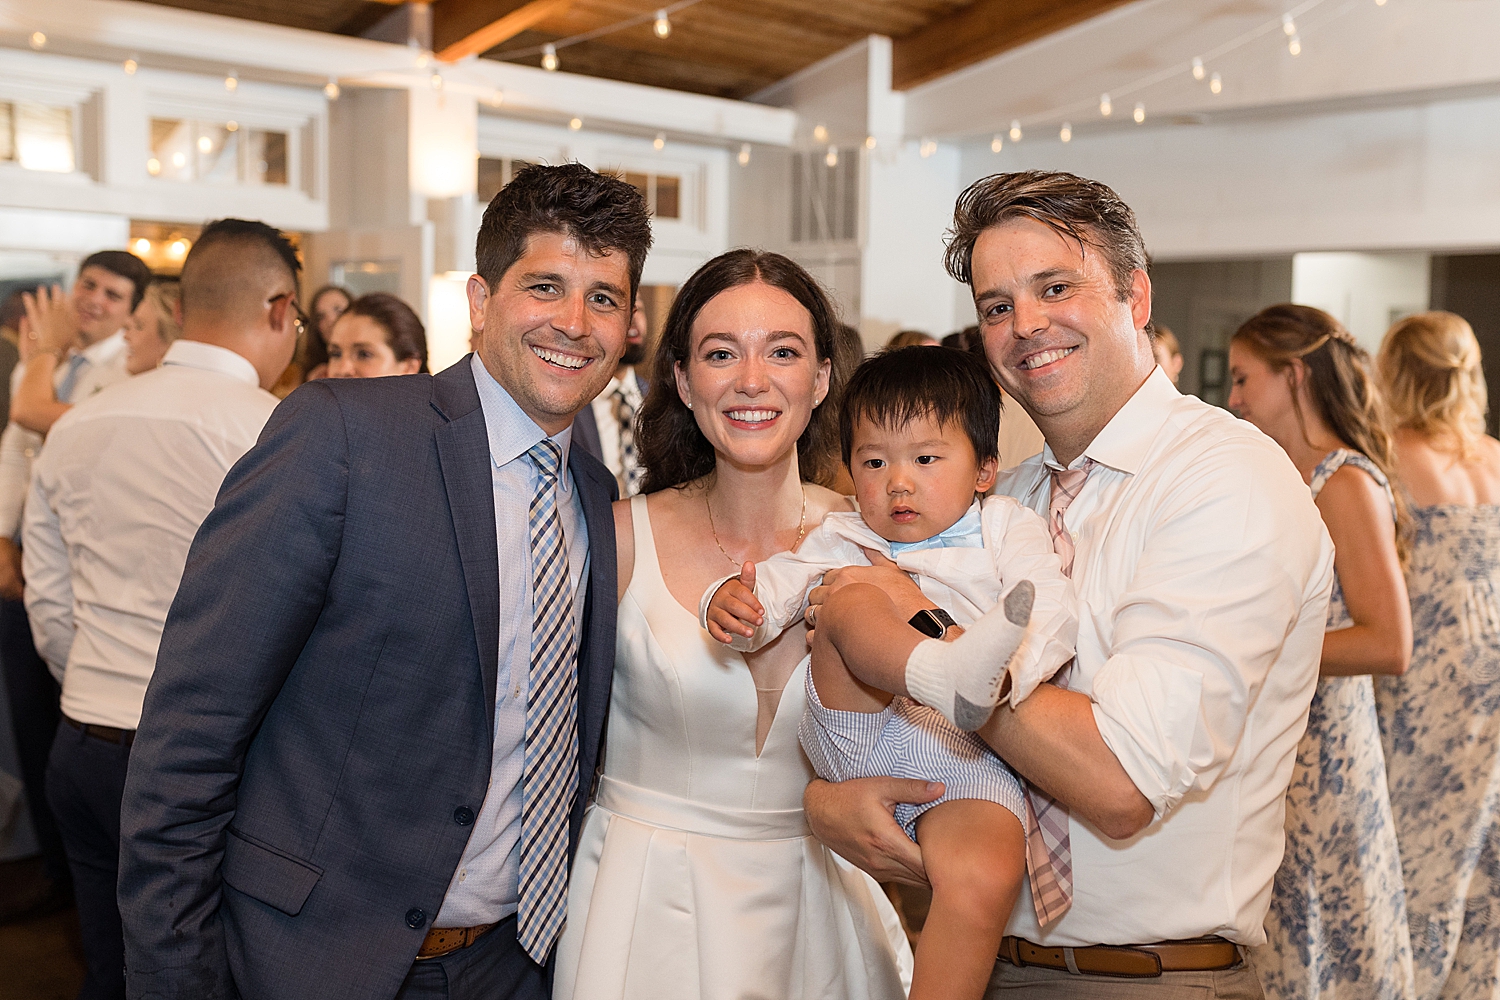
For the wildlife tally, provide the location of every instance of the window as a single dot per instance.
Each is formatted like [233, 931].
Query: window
[495, 172]
[216, 153]
[825, 200]
[663, 192]
[36, 136]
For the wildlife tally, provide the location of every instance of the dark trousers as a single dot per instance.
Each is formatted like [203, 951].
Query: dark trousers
[33, 709]
[492, 968]
[85, 785]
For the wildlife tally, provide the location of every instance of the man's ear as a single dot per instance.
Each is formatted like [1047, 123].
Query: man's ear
[478, 294]
[1140, 299]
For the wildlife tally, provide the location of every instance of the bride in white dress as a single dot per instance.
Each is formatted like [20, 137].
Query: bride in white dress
[696, 873]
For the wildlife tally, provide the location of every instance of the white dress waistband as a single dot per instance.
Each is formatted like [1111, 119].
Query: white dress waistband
[672, 813]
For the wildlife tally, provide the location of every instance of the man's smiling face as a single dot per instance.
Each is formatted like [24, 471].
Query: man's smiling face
[1056, 332]
[553, 328]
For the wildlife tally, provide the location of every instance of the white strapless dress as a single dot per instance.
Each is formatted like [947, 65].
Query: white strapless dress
[696, 876]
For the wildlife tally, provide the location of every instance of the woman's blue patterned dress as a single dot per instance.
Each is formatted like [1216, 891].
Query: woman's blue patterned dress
[1337, 924]
[1441, 726]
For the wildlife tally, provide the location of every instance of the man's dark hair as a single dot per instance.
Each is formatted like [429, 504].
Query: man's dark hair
[250, 231]
[896, 387]
[601, 212]
[125, 264]
[1085, 211]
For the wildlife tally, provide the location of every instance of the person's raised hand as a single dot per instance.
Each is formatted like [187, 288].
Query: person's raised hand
[856, 820]
[54, 324]
[733, 610]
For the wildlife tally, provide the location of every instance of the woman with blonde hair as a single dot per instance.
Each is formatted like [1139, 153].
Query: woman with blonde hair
[1337, 922]
[1441, 720]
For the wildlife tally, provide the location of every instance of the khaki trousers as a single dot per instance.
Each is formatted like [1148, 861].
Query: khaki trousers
[1008, 981]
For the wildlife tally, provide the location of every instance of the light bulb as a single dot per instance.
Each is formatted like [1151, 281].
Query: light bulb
[1066, 135]
[153, 166]
[744, 157]
[549, 58]
[38, 40]
[820, 133]
[232, 82]
[178, 249]
[663, 26]
[997, 143]
[497, 98]
[1288, 26]
[575, 124]
[437, 81]
[1197, 68]
[205, 144]
[131, 66]
[231, 126]
[927, 148]
[1015, 130]
[832, 158]
[331, 90]
[179, 159]
[422, 58]
[1295, 45]
[1140, 113]
[1216, 83]
[142, 247]
[660, 141]
[1380, 3]
[1106, 108]
[869, 142]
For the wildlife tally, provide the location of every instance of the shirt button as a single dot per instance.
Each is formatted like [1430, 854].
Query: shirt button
[415, 918]
[463, 815]
[464, 874]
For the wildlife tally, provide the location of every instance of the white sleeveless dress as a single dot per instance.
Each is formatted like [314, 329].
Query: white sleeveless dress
[696, 876]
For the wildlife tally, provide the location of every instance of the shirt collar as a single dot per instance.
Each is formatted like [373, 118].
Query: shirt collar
[511, 431]
[102, 351]
[210, 358]
[965, 533]
[1124, 441]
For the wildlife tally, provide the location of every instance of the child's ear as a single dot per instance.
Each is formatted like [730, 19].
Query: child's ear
[988, 470]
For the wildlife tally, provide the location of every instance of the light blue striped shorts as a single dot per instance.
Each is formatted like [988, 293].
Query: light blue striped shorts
[907, 740]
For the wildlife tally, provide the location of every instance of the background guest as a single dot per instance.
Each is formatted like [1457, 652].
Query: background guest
[153, 326]
[327, 304]
[12, 313]
[1440, 721]
[911, 338]
[124, 481]
[606, 428]
[377, 335]
[1167, 351]
[1337, 924]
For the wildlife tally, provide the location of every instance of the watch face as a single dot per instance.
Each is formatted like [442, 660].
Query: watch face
[928, 623]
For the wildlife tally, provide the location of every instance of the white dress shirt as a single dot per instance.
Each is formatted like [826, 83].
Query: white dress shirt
[966, 582]
[120, 488]
[608, 422]
[1203, 573]
[486, 885]
[101, 364]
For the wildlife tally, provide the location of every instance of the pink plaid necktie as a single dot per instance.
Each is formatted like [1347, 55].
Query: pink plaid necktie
[1049, 854]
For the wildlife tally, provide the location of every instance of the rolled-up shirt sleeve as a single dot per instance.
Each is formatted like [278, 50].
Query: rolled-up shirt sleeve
[1220, 583]
[49, 581]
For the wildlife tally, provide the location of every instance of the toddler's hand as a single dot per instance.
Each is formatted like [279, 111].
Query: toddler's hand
[733, 610]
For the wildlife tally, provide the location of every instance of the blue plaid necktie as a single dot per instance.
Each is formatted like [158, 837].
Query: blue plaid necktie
[549, 779]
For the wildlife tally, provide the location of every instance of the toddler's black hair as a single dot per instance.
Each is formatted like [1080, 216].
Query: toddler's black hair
[896, 387]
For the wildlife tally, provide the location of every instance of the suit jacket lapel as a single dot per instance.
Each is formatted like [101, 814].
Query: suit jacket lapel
[463, 446]
[596, 651]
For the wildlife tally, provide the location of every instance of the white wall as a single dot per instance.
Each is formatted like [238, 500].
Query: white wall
[910, 200]
[1366, 292]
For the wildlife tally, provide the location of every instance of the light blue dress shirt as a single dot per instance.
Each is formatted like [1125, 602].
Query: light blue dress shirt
[486, 886]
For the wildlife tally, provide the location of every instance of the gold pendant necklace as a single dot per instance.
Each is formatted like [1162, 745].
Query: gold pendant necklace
[801, 528]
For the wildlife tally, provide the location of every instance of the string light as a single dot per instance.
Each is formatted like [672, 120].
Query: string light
[869, 142]
[130, 66]
[997, 143]
[1066, 135]
[549, 58]
[497, 98]
[832, 159]
[179, 159]
[663, 25]
[744, 157]
[38, 40]
[231, 126]
[820, 133]
[1197, 68]
[437, 81]
[660, 21]
[1295, 45]
[142, 247]
[331, 89]
[423, 58]
[178, 249]
[1106, 108]
[927, 148]
[660, 141]
[153, 166]
[1015, 130]
[1380, 3]
[575, 124]
[205, 144]
[232, 82]
[1288, 26]
[1216, 83]
[1140, 112]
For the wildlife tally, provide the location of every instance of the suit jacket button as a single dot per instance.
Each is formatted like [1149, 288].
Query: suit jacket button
[415, 918]
[463, 815]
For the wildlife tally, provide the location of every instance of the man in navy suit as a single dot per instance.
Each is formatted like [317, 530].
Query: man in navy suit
[368, 741]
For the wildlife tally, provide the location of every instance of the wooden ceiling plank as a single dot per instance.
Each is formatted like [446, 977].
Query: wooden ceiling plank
[981, 30]
[455, 35]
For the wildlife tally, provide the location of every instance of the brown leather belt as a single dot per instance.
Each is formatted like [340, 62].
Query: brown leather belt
[119, 737]
[1135, 961]
[442, 941]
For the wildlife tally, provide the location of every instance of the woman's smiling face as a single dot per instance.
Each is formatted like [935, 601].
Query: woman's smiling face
[752, 376]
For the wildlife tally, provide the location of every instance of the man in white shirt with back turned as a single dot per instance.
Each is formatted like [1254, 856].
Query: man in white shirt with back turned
[118, 492]
[1158, 765]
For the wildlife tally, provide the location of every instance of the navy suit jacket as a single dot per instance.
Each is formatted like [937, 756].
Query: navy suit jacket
[317, 735]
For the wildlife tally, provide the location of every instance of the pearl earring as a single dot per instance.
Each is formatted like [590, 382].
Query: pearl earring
[690, 404]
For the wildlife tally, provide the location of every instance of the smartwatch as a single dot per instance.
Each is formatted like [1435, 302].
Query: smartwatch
[932, 621]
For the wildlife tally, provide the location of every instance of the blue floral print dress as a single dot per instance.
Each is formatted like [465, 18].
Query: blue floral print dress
[1441, 727]
[1337, 924]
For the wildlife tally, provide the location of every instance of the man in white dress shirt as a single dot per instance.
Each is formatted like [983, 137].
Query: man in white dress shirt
[119, 490]
[1159, 765]
[606, 427]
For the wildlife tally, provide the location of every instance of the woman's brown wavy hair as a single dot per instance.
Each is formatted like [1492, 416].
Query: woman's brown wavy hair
[672, 448]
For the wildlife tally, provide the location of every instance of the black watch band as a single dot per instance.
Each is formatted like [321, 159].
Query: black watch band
[932, 621]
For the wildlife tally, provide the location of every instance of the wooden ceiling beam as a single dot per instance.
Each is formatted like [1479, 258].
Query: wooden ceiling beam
[462, 28]
[984, 28]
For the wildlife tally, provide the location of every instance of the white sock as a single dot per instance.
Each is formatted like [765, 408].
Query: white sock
[961, 679]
